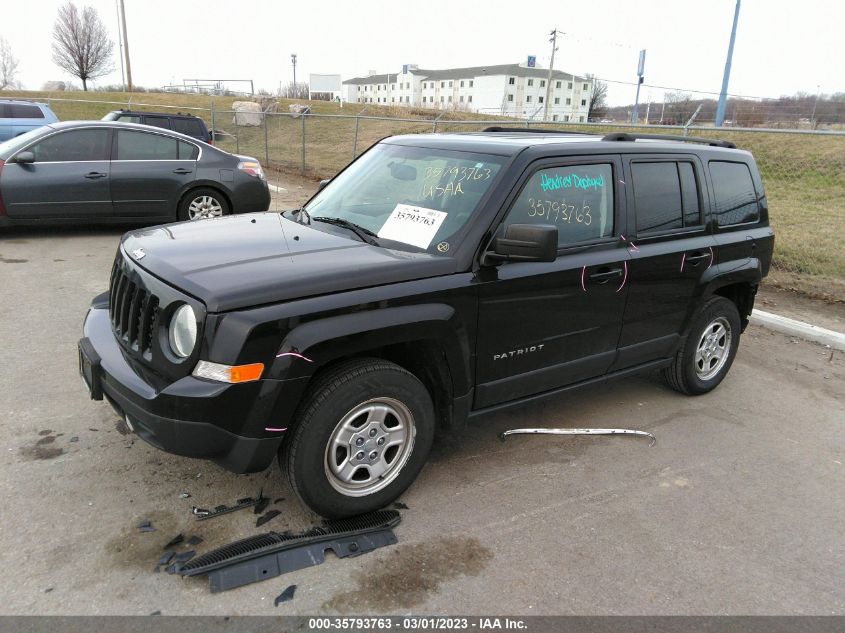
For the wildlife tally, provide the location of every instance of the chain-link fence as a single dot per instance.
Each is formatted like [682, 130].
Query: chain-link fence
[803, 170]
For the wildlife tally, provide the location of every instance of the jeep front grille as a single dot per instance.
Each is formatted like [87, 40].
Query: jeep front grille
[133, 310]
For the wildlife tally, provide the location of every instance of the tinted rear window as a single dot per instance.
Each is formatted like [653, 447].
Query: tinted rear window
[188, 151]
[736, 198]
[191, 127]
[143, 146]
[657, 192]
[19, 111]
[158, 121]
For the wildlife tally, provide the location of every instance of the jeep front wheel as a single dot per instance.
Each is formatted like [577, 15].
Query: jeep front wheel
[709, 350]
[361, 437]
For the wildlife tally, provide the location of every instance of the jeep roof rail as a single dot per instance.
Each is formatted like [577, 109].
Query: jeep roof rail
[625, 136]
[534, 130]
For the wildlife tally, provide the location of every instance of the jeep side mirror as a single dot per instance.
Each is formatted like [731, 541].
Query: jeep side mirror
[526, 243]
[323, 184]
[25, 158]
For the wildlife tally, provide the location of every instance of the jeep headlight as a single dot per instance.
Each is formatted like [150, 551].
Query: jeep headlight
[183, 331]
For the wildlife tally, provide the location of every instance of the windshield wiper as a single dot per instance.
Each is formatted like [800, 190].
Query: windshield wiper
[366, 235]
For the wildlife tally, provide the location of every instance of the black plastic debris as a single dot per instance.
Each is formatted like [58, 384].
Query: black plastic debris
[165, 558]
[48, 590]
[285, 596]
[147, 529]
[271, 554]
[91, 428]
[184, 557]
[398, 505]
[195, 540]
[262, 504]
[175, 541]
[270, 514]
[202, 514]
[144, 524]
[156, 613]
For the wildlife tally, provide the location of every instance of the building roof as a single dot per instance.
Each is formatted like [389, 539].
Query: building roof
[471, 72]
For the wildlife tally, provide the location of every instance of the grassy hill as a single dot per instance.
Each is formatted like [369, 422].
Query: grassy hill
[804, 174]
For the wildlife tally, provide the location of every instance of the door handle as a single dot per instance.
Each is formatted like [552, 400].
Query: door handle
[91, 175]
[604, 276]
[697, 257]
[182, 171]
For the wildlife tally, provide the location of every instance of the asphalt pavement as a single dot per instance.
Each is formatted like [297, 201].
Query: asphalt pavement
[738, 509]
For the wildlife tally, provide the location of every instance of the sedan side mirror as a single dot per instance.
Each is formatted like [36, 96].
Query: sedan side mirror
[323, 184]
[25, 158]
[526, 243]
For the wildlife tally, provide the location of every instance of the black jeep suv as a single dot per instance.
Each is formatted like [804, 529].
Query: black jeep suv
[436, 278]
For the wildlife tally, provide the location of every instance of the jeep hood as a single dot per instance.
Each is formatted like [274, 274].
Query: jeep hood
[247, 260]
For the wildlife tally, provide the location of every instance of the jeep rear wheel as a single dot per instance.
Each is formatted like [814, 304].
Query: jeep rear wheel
[362, 435]
[709, 350]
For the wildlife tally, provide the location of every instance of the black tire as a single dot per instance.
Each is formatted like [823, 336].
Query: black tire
[342, 390]
[217, 198]
[689, 375]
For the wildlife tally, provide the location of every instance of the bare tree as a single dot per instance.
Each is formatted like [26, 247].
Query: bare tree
[8, 65]
[81, 43]
[297, 90]
[598, 99]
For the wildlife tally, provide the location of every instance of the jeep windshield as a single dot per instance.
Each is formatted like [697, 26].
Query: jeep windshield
[407, 198]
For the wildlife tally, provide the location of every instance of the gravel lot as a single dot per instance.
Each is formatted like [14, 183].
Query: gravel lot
[738, 509]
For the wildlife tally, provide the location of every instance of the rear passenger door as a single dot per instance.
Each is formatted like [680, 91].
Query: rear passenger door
[544, 325]
[149, 172]
[670, 246]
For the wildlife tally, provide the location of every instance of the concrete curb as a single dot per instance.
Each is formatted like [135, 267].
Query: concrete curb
[798, 328]
[276, 188]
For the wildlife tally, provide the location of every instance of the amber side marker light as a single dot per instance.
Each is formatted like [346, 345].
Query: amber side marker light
[228, 373]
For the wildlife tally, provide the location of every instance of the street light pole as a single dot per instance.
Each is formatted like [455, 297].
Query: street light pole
[720, 110]
[293, 61]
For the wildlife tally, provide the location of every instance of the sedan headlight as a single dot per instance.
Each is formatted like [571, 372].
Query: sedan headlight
[183, 331]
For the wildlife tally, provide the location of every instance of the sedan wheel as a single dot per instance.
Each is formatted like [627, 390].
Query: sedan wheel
[203, 207]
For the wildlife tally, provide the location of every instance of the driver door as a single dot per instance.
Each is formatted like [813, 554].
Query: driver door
[542, 326]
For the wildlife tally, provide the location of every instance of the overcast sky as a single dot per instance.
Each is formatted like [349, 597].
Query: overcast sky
[781, 47]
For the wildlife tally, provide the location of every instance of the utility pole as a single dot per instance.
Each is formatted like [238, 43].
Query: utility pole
[720, 110]
[815, 103]
[553, 40]
[293, 61]
[126, 47]
[120, 47]
[640, 70]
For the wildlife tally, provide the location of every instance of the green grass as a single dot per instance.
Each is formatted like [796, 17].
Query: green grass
[804, 175]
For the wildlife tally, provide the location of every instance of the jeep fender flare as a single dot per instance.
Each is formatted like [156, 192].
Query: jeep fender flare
[311, 346]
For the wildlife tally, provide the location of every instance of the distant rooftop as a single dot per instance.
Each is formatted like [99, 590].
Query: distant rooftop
[470, 72]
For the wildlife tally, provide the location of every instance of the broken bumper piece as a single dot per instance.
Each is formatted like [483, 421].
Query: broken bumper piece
[272, 554]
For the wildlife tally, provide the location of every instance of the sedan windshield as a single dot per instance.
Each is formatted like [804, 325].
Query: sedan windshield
[410, 198]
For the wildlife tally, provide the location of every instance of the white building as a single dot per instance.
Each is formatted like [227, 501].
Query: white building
[514, 90]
